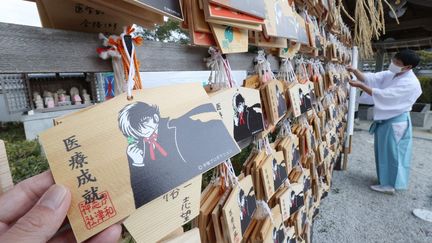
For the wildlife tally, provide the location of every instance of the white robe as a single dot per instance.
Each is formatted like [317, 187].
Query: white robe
[392, 95]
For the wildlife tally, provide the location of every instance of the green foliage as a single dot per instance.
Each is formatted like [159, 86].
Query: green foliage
[25, 157]
[425, 56]
[170, 31]
[426, 84]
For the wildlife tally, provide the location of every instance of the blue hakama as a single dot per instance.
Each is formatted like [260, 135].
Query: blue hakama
[393, 150]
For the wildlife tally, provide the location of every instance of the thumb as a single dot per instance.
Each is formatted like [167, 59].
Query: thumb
[43, 220]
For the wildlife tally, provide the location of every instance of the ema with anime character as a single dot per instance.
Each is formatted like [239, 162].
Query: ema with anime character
[305, 101]
[280, 174]
[247, 119]
[164, 152]
[247, 204]
[282, 108]
[297, 201]
[279, 234]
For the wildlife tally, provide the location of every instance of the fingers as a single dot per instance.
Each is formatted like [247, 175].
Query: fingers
[20, 199]
[110, 234]
[43, 220]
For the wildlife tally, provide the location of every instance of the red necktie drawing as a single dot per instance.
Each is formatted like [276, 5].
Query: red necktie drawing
[241, 117]
[154, 144]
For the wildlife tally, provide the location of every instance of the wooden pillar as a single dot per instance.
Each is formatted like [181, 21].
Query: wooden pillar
[379, 60]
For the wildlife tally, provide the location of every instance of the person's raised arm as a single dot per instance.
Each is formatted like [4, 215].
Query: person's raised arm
[360, 76]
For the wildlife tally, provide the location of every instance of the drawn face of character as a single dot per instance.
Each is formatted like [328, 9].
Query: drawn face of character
[148, 126]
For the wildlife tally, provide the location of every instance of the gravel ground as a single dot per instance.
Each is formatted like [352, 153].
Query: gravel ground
[353, 213]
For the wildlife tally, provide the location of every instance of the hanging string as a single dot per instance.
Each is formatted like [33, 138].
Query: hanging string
[263, 67]
[220, 71]
[263, 211]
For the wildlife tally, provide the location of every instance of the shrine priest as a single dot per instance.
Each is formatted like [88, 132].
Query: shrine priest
[393, 93]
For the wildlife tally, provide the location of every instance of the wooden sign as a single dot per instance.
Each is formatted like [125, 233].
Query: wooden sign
[251, 7]
[275, 101]
[258, 38]
[199, 38]
[296, 197]
[274, 173]
[191, 236]
[280, 20]
[125, 10]
[69, 15]
[158, 218]
[216, 12]
[238, 210]
[300, 98]
[6, 182]
[170, 8]
[277, 232]
[241, 111]
[230, 39]
[128, 153]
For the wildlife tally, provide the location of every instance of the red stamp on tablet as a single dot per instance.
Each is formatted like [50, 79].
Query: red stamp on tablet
[98, 211]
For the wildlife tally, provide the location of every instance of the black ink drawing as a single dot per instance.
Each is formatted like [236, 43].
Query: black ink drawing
[297, 201]
[279, 234]
[247, 204]
[164, 152]
[280, 174]
[305, 101]
[282, 108]
[248, 120]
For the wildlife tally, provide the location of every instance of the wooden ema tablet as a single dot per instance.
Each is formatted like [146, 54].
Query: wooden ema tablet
[132, 10]
[6, 182]
[198, 16]
[241, 111]
[280, 20]
[213, 11]
[78, 136]
[273, 173]
[191, 236]
[254, 27]
[153, 221]
[177, 232]
[258, 38]
[277, 232]
[206, 209]
[197, 38]
[230, 39]
[216, 215]
[254, 8]
[118, 9]
[172, 9]
[69, 15]
[238, 209]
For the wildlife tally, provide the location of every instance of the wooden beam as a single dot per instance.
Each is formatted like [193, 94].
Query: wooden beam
[424, 23]
[422, 43]
[27, 49]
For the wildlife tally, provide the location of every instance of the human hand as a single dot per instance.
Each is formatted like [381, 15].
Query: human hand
[349, 68]
[136, 154]
[35, 209]
[355, 83]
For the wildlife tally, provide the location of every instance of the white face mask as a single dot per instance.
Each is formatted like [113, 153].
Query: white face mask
[394, 68]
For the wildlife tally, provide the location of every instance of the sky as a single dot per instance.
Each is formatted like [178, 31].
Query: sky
[19, 12]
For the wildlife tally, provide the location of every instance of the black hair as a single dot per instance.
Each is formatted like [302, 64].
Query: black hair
[241, 193]
[408, 57]
[239, 99]
[133, 115]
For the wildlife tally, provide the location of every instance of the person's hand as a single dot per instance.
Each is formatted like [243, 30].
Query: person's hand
[35, 209]
[349, 68]
[355, 83]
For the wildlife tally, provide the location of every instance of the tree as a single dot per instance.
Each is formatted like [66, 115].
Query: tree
[170, 31]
